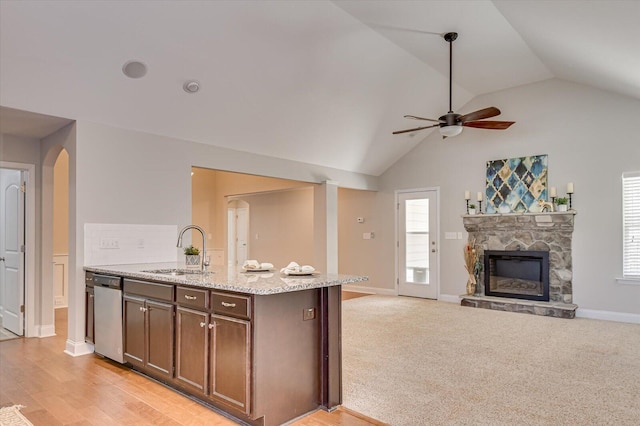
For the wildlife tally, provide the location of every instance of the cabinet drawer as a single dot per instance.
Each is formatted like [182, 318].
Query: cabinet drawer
[192, 297]
[151, 290]
[230, 304]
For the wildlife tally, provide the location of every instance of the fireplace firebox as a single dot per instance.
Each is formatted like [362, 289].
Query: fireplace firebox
[517, 274]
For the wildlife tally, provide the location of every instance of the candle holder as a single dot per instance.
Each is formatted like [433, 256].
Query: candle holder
[467, 206]
[479, 206]
[553, 200]
[569, 194]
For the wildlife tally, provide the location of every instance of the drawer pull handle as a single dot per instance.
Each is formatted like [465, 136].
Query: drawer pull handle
[186, 296]
[228, 305]
[202, 324]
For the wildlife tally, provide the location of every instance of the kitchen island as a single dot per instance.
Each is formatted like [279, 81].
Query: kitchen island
[260, 346]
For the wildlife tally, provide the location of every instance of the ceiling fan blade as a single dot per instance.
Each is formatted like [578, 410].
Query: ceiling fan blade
[493, 125]
[480, 114]
[413, 117]
[415, 129]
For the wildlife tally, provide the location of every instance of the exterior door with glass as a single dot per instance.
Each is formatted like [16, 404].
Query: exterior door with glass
[418, 274]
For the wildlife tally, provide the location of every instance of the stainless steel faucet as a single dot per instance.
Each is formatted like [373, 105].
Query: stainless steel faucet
[205, 262]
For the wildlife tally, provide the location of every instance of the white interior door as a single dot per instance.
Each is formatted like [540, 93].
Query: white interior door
[12, 251]
[242, 231]
[231, 236]
[418, 244]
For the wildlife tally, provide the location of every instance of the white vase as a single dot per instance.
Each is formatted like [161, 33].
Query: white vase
[472, 211]
[192, 261]
[562, 207]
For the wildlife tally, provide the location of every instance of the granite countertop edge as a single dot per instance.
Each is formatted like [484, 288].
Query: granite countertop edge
[229, 279]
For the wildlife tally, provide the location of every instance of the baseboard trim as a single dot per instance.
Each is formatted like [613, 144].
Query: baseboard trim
[451, 298]
[369, 290]
[78, 348]
[46, 330]
[608, 315]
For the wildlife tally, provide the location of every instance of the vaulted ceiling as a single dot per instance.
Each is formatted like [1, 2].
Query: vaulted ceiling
[322, 82]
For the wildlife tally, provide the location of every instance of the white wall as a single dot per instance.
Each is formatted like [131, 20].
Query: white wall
[281, 226]
[591, 137]
[358, 256]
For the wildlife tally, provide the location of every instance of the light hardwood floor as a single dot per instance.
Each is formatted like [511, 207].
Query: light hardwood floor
[57, 389]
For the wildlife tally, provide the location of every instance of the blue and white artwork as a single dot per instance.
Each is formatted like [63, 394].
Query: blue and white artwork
[516, 183]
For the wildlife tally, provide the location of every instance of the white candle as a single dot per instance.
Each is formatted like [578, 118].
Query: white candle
[552, 192]
[570, 188]
[467, 195]
[479, 196]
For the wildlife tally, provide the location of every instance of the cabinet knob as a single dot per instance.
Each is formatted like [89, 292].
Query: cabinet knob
[202, 324]
[213, 324]
[143, 309]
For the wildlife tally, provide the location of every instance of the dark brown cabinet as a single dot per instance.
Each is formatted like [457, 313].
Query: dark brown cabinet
[213, 350]
[230, 361]
[148, 328]
[192, 341]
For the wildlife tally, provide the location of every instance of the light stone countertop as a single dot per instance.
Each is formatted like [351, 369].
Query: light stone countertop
[228, 278]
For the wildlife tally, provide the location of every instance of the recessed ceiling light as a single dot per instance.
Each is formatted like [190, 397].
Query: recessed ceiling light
[191, 86]
[134, 69]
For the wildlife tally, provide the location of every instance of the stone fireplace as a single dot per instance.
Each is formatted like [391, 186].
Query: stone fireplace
[538, 239]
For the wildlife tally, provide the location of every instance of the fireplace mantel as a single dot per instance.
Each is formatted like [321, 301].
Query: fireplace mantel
[550, 232]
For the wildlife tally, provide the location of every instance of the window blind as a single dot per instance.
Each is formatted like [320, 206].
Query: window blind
[631, 225]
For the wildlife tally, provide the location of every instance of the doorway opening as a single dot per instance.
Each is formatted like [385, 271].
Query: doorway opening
[61, 233]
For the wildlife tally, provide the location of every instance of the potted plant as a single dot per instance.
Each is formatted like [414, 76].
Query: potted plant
[472, 209]
[192, 257]
[562, 203]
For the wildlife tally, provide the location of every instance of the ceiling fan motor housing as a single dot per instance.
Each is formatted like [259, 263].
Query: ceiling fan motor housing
[450, 119]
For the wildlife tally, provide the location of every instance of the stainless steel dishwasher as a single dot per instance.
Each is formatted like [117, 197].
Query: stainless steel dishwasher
[108, 316]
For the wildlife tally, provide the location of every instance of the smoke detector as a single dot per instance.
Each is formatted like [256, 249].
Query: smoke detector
[191, 86]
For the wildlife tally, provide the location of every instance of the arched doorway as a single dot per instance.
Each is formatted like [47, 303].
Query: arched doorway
[61, 233]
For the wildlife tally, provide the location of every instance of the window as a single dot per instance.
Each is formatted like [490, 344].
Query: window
[631, 225]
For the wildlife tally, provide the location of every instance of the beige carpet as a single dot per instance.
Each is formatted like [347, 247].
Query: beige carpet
[417, 362]
[11, 416]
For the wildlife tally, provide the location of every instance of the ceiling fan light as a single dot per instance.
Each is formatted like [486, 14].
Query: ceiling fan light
[450, 131]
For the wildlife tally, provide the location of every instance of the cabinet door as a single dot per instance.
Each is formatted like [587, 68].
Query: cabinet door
[230, 361]
[89, 330]
[159, 359]
[134, 331]
[192, 345]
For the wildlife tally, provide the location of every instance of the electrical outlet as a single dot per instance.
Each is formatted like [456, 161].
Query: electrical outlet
[308, 314]
[109, 243]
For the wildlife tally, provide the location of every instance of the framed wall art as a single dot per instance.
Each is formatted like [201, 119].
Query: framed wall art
[516, 184]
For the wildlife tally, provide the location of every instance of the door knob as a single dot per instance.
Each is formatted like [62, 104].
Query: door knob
[1, 259]
[433, 250]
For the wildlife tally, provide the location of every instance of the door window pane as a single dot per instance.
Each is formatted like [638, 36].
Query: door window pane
[417, 240]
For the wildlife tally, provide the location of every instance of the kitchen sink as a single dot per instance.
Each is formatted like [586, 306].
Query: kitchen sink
[178, 272]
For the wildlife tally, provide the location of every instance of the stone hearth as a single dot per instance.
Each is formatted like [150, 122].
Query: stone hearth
[550, 232]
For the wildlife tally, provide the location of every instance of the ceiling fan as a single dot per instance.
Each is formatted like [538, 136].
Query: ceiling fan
[451, 123]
